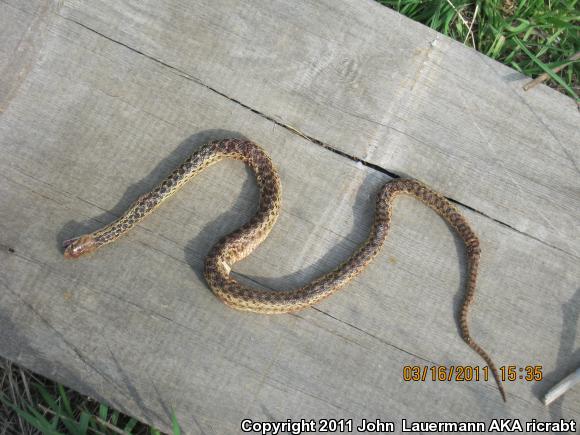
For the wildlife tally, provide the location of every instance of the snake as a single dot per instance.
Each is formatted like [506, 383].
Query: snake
[243, 241]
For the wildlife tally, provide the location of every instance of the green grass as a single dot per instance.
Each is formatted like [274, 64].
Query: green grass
[31, 404]
[531, 36]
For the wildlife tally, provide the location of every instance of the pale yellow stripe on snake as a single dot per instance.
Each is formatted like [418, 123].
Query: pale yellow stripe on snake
[239, 244]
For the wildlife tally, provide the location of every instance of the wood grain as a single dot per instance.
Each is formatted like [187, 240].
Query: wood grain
[94, 124]
[372, 83]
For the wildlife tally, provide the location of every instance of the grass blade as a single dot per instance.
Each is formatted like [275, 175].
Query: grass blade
[175, 424]
[130, 425]
[84, 422]
[47, 397]
[38, 421]
[103, 411]
[65, 401]
[547, 70]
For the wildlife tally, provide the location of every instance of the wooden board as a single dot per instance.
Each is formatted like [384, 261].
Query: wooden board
[94, 124]
[372, 83]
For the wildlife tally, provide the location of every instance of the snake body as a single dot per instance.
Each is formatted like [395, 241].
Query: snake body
[239, 244]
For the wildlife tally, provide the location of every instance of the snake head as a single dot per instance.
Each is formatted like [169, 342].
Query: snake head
[74, 248]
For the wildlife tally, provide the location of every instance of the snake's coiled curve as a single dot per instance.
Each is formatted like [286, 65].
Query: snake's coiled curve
[239, 244]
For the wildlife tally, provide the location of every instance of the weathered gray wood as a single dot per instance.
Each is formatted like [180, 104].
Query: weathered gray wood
[368, 81]
[94, 124]
[20, 37]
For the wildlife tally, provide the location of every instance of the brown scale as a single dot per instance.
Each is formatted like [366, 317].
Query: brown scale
[239, 244]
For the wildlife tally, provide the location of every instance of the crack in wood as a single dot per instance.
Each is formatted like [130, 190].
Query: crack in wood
[296, 131]
[375, 337]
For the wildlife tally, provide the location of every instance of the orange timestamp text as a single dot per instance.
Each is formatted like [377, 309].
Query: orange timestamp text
[442, 373]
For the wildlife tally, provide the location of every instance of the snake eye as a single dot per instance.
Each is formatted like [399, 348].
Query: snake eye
[69, 242]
